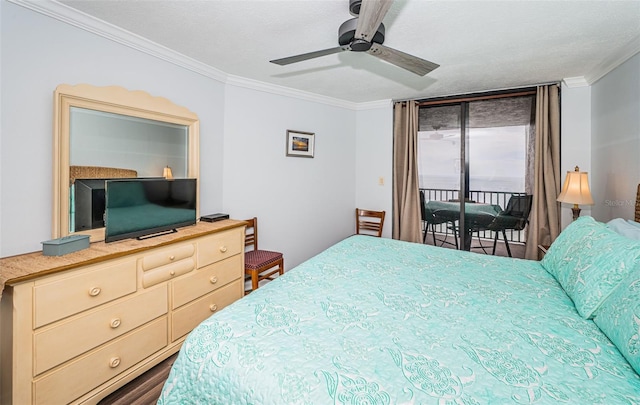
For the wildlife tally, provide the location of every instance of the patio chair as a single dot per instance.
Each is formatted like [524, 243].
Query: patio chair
[515, 217]
[429, 219]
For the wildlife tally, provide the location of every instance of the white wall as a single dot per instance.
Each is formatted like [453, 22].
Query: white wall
[374, 162]
[615, 141]
[575, 140]
[303, 205]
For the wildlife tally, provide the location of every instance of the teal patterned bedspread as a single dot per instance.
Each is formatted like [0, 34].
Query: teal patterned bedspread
[379, 321]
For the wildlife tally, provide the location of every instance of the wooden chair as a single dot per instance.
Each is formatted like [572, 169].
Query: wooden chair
[259, 264]
[369, 222]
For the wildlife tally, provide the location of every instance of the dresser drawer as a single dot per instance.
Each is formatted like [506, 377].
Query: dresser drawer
[189, 316]
[93, 286]
[167, 256]
[220, 246]
[167, 272]
[60, 343]
[205, 280]
[84, 374]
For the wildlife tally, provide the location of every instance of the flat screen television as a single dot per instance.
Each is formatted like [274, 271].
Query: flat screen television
[139, 208]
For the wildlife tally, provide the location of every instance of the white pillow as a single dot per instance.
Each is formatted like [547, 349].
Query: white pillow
[629, 229]
[634, 223]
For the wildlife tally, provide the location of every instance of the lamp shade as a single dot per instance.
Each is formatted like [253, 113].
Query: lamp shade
[166, 173]
[576, 189]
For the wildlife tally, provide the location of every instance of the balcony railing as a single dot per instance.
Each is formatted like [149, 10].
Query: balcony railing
[500, 198]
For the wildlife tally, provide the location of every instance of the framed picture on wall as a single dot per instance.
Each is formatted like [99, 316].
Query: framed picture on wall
[300, 144]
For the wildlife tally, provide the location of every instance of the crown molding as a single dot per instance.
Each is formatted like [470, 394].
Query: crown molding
[374, 105]
[287, 91]
[302, 95]
[613, 61]
[71, 16]
[578, 81]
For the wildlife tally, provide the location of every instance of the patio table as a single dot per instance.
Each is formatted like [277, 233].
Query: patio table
[477, 216]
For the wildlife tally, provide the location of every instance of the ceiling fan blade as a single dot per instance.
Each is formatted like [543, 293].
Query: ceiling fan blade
[310, 55]
[409, 62]
[371, 14]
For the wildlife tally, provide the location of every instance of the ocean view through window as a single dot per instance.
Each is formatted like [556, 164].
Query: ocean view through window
[477, 149]
[498, 138]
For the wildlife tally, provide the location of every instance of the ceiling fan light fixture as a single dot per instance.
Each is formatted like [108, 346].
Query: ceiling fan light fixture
[360, 45]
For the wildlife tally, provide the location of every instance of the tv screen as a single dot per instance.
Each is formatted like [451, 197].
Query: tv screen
[137, 208]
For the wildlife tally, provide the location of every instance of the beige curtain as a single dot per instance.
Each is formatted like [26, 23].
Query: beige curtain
[406, 200]
[544, 221]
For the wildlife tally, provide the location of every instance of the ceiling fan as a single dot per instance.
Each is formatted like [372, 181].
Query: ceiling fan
[365, 33]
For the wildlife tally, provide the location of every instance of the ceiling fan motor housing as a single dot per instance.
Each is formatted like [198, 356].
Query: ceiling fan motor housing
[347, 33]
[354, 7]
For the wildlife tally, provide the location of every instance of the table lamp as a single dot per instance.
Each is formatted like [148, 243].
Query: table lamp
[576, 191]
[166, 173]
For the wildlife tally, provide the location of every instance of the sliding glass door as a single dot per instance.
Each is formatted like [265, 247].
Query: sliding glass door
[474, 154]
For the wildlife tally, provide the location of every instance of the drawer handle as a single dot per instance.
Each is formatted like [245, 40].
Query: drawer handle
[95, 291]
[223, 249]
[115, 323]
[213, 279]
[173, 273]
[172, 257]
[114, 362]
[213, 307]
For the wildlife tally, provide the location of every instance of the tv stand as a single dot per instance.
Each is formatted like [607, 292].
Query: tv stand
[155, 235]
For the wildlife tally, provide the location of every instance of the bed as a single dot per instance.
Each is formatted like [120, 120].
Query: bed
[379, 321]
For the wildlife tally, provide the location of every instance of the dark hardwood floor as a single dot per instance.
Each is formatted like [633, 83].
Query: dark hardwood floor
[144, 390]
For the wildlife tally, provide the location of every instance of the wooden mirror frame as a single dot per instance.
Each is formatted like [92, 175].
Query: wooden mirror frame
[117, 100]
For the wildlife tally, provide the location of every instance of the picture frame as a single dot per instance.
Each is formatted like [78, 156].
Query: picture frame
[300, 144]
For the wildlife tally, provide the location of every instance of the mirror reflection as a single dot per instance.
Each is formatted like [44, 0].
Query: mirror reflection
[105, 145]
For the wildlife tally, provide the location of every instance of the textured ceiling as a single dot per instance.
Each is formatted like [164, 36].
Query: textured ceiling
[480, 45]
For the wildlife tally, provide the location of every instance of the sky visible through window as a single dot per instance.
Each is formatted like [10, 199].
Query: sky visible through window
[497, 159]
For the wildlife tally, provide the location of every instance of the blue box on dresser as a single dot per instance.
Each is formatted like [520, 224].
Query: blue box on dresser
[65, 245]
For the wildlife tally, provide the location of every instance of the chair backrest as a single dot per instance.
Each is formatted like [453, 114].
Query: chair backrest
[251, 233]
[519, 206]
[369, 222]
[425, 213]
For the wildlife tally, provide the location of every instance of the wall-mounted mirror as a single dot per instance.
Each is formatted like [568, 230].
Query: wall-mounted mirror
[110, 132]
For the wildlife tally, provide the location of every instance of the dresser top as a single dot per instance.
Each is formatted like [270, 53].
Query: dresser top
[28, 266]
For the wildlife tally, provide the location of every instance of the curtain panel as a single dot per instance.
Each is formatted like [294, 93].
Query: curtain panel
[544, 222]
[406, 199]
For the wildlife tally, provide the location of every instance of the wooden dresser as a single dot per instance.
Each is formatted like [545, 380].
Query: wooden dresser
[77, 327]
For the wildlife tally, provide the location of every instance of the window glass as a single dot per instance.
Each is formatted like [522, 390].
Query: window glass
[439, 156]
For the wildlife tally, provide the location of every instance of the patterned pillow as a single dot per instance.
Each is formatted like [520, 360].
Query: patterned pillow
[589, 261]
[619, 318]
